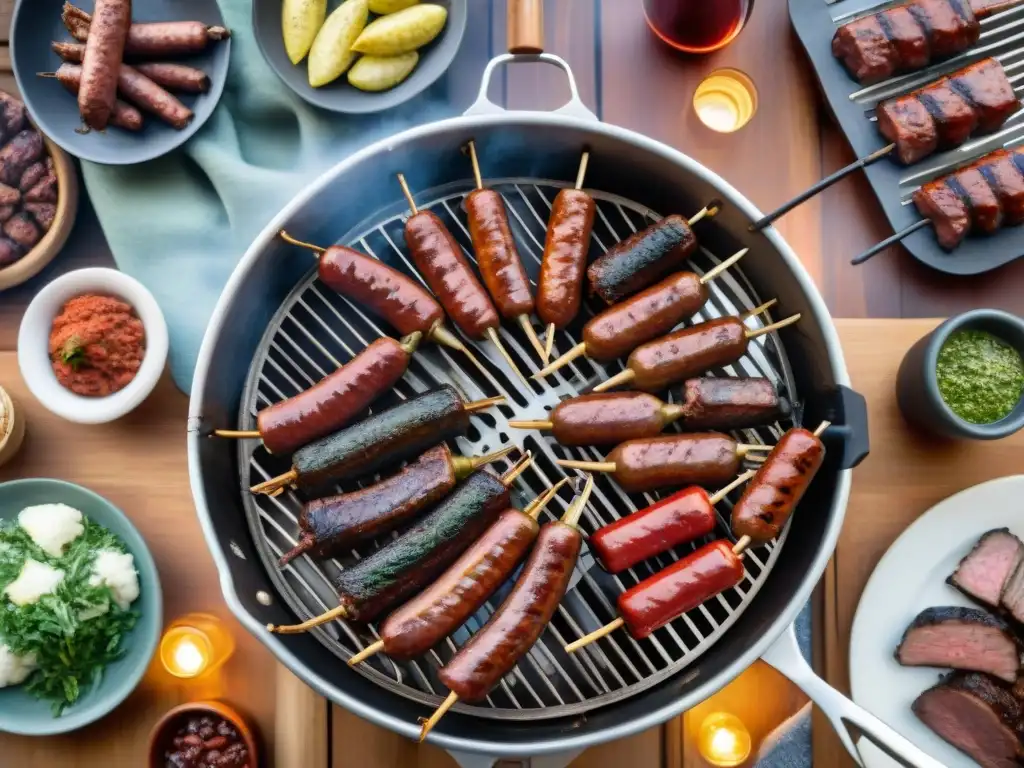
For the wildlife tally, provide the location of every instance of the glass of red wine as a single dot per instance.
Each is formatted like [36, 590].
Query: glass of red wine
[697, 26]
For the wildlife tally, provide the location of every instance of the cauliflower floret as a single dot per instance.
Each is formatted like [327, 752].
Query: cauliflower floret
[35, 580]
[116, 570]
[51, 526]
[14, 668]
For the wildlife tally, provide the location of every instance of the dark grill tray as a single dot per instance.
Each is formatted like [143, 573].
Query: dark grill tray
[852, 104]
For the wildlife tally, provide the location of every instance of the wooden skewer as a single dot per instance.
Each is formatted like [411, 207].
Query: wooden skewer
[492, 336]
[550, 339]
[524, 320]
[275, 485]
[741, 544]
[237, 434]
[533, 509]
[626, 375]
[879, 247]
[759, 309]
[408, 194]
[828, 181]
[581, 349]
[721, 493]
[517, 469]
[742, 449]
[571, 517]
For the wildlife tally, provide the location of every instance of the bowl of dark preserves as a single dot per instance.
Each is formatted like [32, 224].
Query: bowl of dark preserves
[966, 378]
[203, 734]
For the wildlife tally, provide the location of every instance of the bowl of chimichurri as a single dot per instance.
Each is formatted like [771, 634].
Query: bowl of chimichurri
[966, 378]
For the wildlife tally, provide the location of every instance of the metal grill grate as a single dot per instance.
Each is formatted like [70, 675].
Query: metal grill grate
[317, 330]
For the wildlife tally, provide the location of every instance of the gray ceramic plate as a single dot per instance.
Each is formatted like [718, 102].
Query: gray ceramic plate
[339, 96]
[37, 23]
[20, 712]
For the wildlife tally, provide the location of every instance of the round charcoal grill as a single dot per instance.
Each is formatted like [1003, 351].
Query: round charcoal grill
[276, 330]
[316, 330]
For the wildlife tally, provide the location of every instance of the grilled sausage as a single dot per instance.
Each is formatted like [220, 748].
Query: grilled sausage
[103, 54]
[150, 97]
[607, 418]
[780, 483]
[123, 116]
[681, 587]
[641, 259]
[164, 39]
[687, 352]
[620, 329]
[513, 629]
[684, 516]
[406, 565]
[730, 403]
[338, 398]
[701, 458]
[176, 77]
[331, 524]
[560, 286]
[445, 606]
[384, 439]
[440, 260]
[384, 290]
[496, 254]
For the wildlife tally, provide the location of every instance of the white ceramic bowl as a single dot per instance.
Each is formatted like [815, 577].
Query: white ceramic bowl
[34, 337]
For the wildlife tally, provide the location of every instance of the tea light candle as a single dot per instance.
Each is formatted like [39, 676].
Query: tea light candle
[723, 740]
[725, 100]
[195, 645]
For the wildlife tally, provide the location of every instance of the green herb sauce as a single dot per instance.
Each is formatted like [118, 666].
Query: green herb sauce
[980, 377]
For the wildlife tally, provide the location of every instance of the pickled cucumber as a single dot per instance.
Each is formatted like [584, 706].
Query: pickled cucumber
[384, 7]
[331, 54]
[378, 73]
[300, 21]
[402, 32]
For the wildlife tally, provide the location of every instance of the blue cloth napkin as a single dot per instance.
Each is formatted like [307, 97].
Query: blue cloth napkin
[180, 224]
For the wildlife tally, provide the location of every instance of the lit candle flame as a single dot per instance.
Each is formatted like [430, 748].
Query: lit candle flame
[723, 740]
[725, 100]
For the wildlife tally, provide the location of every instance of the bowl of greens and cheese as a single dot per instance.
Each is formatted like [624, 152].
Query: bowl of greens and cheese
[80, 607]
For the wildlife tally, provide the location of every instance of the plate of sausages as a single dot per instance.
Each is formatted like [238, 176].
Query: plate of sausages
[119, 83]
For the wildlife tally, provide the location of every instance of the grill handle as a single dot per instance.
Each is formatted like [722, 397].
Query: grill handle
[574, 107]
[525, 22]
[846, 717]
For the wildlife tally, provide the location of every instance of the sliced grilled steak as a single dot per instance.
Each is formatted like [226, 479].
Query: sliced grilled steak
[977, 716]
[961, 638]
[1012, 598]
[987, 567]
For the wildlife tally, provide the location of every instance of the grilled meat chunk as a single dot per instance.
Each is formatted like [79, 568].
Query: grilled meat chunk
[910, 126]
[946, 210]
[955, 118]
[987, 87]
[1008, 182]
[977, 716]
[961, 638]
[905, 37]
[982, 573]
[1012, 597]
[981, 199]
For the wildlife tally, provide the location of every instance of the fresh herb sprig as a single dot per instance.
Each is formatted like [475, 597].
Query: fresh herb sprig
[71, 651]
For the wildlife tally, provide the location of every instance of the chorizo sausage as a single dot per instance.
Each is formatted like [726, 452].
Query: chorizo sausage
[440, 260]
[162, 39]
[386, 291]
[176, 77]
[445, 606]
[608, 418]
[641, 259]
[513, 629]
[123, 116]
[496, 254]
[684, 516]
[654, 311]
[681, 587]
[338, 398]
[780, 483]
[730, 403]
[708, 459]
[329, 525]
[150, 97]
[406, 565]
[103, 53]
[564, 263]
[687, 352]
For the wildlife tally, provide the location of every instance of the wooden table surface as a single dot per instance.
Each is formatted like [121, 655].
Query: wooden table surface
[631, 80]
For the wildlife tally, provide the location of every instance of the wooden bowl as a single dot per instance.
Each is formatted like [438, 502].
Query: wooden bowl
[163, 731]
[42, 254]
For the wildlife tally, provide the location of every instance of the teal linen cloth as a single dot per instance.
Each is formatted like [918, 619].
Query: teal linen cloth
[180, 224]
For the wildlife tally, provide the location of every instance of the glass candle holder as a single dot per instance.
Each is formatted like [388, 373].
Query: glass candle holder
[697, 26]
[195, 645]
[723, 740]
[725, 100]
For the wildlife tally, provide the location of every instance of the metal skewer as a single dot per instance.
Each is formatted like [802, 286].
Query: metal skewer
[892, 240]
[581, 349]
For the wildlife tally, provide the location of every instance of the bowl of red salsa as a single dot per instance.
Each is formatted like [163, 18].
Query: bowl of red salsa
[92, 345]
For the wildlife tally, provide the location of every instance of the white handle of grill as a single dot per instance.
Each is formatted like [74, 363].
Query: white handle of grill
[574, 107]
[784, 654]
